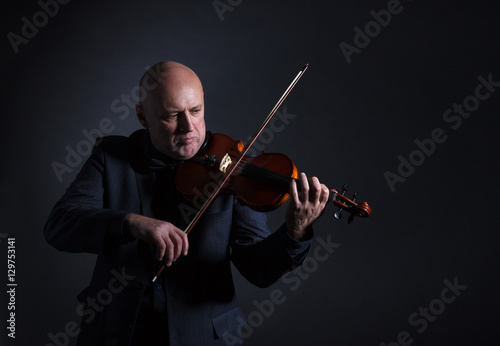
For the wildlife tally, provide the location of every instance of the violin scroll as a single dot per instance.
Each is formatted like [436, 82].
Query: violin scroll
[360, 209]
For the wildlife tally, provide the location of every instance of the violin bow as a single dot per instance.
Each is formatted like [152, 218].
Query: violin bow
[236, 163]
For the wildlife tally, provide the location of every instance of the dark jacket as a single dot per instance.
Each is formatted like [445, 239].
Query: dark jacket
[201, 303]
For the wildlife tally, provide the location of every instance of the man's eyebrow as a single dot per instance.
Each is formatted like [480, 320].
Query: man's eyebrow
[177, 110]
[171, 110]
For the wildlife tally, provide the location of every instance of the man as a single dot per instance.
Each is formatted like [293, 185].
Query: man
[124, 207]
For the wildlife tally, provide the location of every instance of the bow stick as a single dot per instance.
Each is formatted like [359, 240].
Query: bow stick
[235, 165]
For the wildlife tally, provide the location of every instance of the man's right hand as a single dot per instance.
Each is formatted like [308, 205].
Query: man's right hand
[170, 241]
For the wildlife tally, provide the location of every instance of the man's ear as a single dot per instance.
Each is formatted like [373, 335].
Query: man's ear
[141, 116]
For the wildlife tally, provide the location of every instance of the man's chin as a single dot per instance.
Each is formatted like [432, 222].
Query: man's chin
[186, 152]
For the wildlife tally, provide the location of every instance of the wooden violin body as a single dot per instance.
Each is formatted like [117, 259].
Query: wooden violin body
[261, 182]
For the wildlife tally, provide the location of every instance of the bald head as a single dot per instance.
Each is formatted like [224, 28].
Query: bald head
[172, 109]
[163, 73]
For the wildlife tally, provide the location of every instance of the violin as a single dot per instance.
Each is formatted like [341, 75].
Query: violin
[261, 182]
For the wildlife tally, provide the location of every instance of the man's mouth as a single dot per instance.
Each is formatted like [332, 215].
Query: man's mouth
[186, 141]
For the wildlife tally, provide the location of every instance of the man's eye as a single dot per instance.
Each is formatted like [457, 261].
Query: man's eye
[169, 116]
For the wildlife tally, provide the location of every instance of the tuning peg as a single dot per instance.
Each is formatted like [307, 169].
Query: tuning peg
[338, 214]
[210, 159]
[344, 188]
[351, 218]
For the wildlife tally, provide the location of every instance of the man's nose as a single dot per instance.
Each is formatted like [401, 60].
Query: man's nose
[186, 123]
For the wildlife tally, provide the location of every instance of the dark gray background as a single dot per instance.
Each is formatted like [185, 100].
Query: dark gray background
[352, 122]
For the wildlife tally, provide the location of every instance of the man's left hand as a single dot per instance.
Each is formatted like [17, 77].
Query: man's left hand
[306, 207]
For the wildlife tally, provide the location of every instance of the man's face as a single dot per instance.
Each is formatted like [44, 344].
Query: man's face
[174, 115]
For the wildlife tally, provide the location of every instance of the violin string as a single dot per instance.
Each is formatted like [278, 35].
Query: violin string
[260, 173]
[266, 175]
[263, 174]
[272, 177]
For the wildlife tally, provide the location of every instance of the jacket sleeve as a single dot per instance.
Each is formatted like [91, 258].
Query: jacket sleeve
[81, 221]
[260, 256]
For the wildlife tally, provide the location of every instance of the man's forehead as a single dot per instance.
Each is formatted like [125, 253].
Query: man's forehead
[177, 98]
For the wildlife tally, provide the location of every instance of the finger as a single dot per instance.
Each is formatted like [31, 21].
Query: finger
[177, 245]
[156, 239]
[169, 251]
[304, 187]
[185, 242]
[181, 242]
[325, 194]
[160, 250]
[316, 190]
[294, 192]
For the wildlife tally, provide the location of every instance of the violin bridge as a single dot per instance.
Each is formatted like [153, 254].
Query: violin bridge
[225, 163]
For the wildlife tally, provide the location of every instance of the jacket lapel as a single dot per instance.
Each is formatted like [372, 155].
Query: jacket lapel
[145, 187]
[140, 156]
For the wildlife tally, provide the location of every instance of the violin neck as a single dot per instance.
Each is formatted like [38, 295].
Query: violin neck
[273, 178]
[265, 175]
[332, 196]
